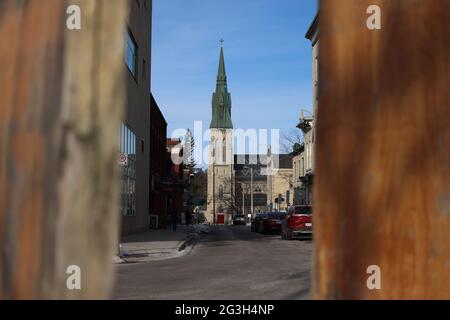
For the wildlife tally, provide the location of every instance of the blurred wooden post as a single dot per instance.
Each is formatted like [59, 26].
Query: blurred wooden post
[61, 100]
[382, 188]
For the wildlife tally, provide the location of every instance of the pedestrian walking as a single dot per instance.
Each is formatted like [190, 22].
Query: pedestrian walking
[174, 218]
[188, 216]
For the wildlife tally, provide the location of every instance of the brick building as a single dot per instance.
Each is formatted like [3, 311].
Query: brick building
[174, 183]
[158, 166]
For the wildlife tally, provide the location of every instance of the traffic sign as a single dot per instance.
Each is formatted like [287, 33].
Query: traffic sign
[123, 159]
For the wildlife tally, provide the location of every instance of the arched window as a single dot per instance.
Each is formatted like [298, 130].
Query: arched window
[224, 151]
[221, 192]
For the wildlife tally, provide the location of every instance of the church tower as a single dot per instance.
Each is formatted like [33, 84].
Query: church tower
[220, 167]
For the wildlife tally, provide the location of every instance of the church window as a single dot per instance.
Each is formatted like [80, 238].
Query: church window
[224, 146]
[221, 192]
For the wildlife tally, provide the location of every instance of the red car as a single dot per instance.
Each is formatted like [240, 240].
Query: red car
[297, 223]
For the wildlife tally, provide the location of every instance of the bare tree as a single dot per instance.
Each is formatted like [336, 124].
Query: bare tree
[289, 139]
[228, 198]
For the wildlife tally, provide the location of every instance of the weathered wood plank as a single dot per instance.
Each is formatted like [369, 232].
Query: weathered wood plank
[382, 193]
[61, 101]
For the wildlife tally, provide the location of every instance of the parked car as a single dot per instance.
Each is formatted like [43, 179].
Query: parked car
[297, 222]
[255, 221]
[239, 219]
[270, 221]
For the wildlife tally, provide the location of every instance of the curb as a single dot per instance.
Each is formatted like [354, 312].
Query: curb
[190, 241]
[184, 248]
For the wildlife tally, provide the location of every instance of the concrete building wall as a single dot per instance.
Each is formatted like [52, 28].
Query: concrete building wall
[306, 159]
[137, 113]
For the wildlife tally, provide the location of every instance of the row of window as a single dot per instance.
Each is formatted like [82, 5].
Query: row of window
[131, 57]
[302, 196]
[127, 143]
[128, 168]
[299, 168]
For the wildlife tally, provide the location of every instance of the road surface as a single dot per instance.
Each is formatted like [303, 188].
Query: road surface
[228, 263]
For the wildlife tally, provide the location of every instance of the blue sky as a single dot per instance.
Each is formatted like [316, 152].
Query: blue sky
[268, 60]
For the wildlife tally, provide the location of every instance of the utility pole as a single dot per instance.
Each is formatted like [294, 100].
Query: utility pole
[383, 141]
[214, 188]
[243, 199]
[251, 190]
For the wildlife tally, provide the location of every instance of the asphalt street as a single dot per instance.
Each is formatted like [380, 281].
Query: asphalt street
[228, 263]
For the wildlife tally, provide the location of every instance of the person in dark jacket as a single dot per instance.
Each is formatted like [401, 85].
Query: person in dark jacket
[174, 218]
[188, 216]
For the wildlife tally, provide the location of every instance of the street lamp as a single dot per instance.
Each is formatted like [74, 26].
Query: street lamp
[251, 189]
[243, 198]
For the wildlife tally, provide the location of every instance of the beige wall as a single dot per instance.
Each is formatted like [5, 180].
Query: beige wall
[222, 172]
[279, 182]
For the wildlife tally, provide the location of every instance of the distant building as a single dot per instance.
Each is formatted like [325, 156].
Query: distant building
[248, 168]
[159, 167]
[174, 183]
[307, 124]
[279, 181]
[135, 129]
[298, 172]
[233, 180]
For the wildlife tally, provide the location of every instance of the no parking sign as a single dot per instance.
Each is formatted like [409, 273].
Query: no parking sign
[123, 159]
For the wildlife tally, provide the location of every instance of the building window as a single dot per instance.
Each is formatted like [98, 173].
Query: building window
[131, 54]
[302, 170]
[144, 66]
[221, 192]
[295, 169]
[224, 151]
[128, 168]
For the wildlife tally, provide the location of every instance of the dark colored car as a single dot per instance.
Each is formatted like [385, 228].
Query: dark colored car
[270, 221]
[239, 219]
[297, 223]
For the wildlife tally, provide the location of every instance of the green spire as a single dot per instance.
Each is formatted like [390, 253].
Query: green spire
[221, 74]
[221, 100]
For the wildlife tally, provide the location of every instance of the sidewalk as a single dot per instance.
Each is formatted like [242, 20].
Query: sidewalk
[161, 244]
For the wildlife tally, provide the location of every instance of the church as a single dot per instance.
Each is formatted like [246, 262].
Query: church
[220, 165]
[239, 183]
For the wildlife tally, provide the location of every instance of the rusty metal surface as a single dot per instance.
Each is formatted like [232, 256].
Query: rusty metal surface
[382, 197]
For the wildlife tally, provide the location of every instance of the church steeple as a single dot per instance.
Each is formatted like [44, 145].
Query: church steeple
[221, 100]
[221, 74]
